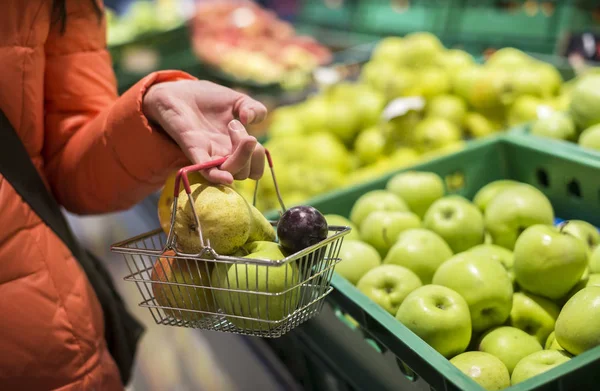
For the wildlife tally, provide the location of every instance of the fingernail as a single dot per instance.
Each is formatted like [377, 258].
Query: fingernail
[251, 116]
[236, 125]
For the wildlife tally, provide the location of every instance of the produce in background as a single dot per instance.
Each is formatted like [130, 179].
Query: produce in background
[142, 17]
[341, 136]
[250, 43]
[475, 304]
[578, 119]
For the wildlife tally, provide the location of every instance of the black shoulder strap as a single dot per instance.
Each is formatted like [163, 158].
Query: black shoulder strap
[122, 330]
[17, 167]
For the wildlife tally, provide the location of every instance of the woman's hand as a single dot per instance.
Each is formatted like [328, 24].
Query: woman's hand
[200, 117]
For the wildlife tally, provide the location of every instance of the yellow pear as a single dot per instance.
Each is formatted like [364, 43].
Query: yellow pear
[224, 215]
[165, 201]
[261, 229]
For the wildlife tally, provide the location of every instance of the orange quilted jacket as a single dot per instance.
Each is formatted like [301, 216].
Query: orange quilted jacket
[97, 153]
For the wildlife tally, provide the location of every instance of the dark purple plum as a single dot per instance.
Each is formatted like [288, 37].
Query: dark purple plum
[301, 227]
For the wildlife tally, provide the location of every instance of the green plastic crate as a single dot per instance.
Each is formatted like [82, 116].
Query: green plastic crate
[578, 16]
[329, 13]
[401, 17]
[504, 18]
[523, 133]
[570, 182]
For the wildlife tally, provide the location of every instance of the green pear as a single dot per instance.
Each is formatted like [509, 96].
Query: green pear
[557, 126]
[533, 314]
[509, 344]
[268, 293]
[508, 58]
[537, 363]
[577, 327]
[485, 369]
[450, 107]
[434, 133]
[514, 209]
[485, 286]
[224, 215]
[421, 251]
[418, 189]
[488, 192]
[549, 262]
[261, 229]
[375, 200]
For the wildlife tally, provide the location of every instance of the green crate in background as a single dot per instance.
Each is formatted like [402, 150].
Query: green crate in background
[330, 13]
[571, 183]
[580, 16]
[388, 17]
[527, 25]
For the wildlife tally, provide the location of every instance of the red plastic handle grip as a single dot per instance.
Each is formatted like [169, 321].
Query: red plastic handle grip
[182, 173]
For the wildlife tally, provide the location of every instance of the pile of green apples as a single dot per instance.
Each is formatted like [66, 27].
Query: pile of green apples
[490, 283]
[580, 122]
[340, 136]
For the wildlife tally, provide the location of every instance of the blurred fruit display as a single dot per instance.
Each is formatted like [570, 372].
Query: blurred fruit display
[252, 44]
[413, 100]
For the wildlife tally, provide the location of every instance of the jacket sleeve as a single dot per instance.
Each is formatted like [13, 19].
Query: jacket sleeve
[100, 152]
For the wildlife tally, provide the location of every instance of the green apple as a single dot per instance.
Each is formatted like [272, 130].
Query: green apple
[376, 200]
[326, 151]
[434, 133]
[254, 281]
[498, 254]
[421, 251]
[334, 219]
[533, 314]
[537, 363]
[514, 209]
[388, 286]
[488, 192]
[577, 327]
[557, 125]
[377, 74]
[450, 107]
[485, 369]
[478, 125]
[454, 59]
[439, 316]
[419, 189]
[594, 261]
[372, 103]
[552, 343]
[314, 113]
[509, 344]
[381, 228]
[586, 280]
[590, 138]
[343, 120]
[584, 231]
[585, 99]
[508, 58]
[485, 286]
[370, 145]
[457, 221]
[388, 49]
[548, 262]
[357, 258]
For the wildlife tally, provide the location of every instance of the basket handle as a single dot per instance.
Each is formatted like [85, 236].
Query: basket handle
[182, 175]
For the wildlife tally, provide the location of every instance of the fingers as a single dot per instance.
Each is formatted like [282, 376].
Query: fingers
[257, 165]
[250, 111]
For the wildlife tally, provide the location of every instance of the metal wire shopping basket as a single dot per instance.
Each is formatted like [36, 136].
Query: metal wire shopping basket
[257, 297]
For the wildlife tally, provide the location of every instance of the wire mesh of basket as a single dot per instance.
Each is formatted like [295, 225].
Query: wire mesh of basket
[236, 294]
